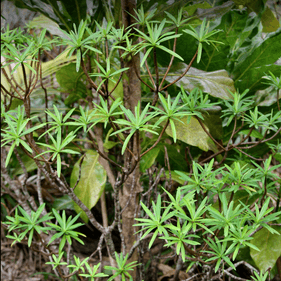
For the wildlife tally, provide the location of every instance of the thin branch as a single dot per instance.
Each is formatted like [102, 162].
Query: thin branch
[156, 71]
[171, 61]
[256, 159]
[190, 278]
[34, 84]
[262, 141]
[89, 78]
[91, 135]
[8, 93]
[148, 71]
[207, 132]
[151, 88]
[39, 192]
[235, 277]
[159, 138]
[24, 78]
[117, 83]
[80, 168]
[169, 168]
[188, 67]
[10, 82]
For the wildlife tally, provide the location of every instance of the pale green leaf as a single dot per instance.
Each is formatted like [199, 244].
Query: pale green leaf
[92, 181]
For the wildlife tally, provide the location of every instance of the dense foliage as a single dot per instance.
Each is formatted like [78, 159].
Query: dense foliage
[158, 125]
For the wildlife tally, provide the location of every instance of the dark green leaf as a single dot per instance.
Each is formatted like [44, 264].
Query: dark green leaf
[63, 203]
[176, 159]
[257, 60]
[148, 159]
[72, 82]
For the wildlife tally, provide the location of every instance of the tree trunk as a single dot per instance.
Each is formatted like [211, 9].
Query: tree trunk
[131, 188]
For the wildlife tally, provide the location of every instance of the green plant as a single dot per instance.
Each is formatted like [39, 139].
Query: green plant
[92, 272]
[261, 277]
[202, 36]
[15, 131]
[122, 268]
[187, 164]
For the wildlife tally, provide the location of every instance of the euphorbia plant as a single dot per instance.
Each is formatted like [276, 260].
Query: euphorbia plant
[145, 135]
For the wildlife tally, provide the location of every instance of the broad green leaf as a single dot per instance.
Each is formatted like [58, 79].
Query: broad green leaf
[176, 159]
[254, 133]
[269, 21]
[257, 60]
[15, 102]
[270, 248]
[197, 10]
[118, 92]
[63, 203]
[238, 26]
[216, 83]
[252, 80]
[212, 119]
[162, 6]
[109, 144]
[191, 9]
[192, 133]
[214, 57]
[52, 66]
[76, 9]
[277, 157]
[72, 82]
[92, 181]
[148, 159]
[214, 12]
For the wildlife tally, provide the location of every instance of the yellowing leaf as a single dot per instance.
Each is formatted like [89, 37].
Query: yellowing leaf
[269, 21]
[48, 68]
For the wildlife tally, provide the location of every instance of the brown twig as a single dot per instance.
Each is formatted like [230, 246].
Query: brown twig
[92, 83]
[188, 67]
[159, 138]
[171, 61]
